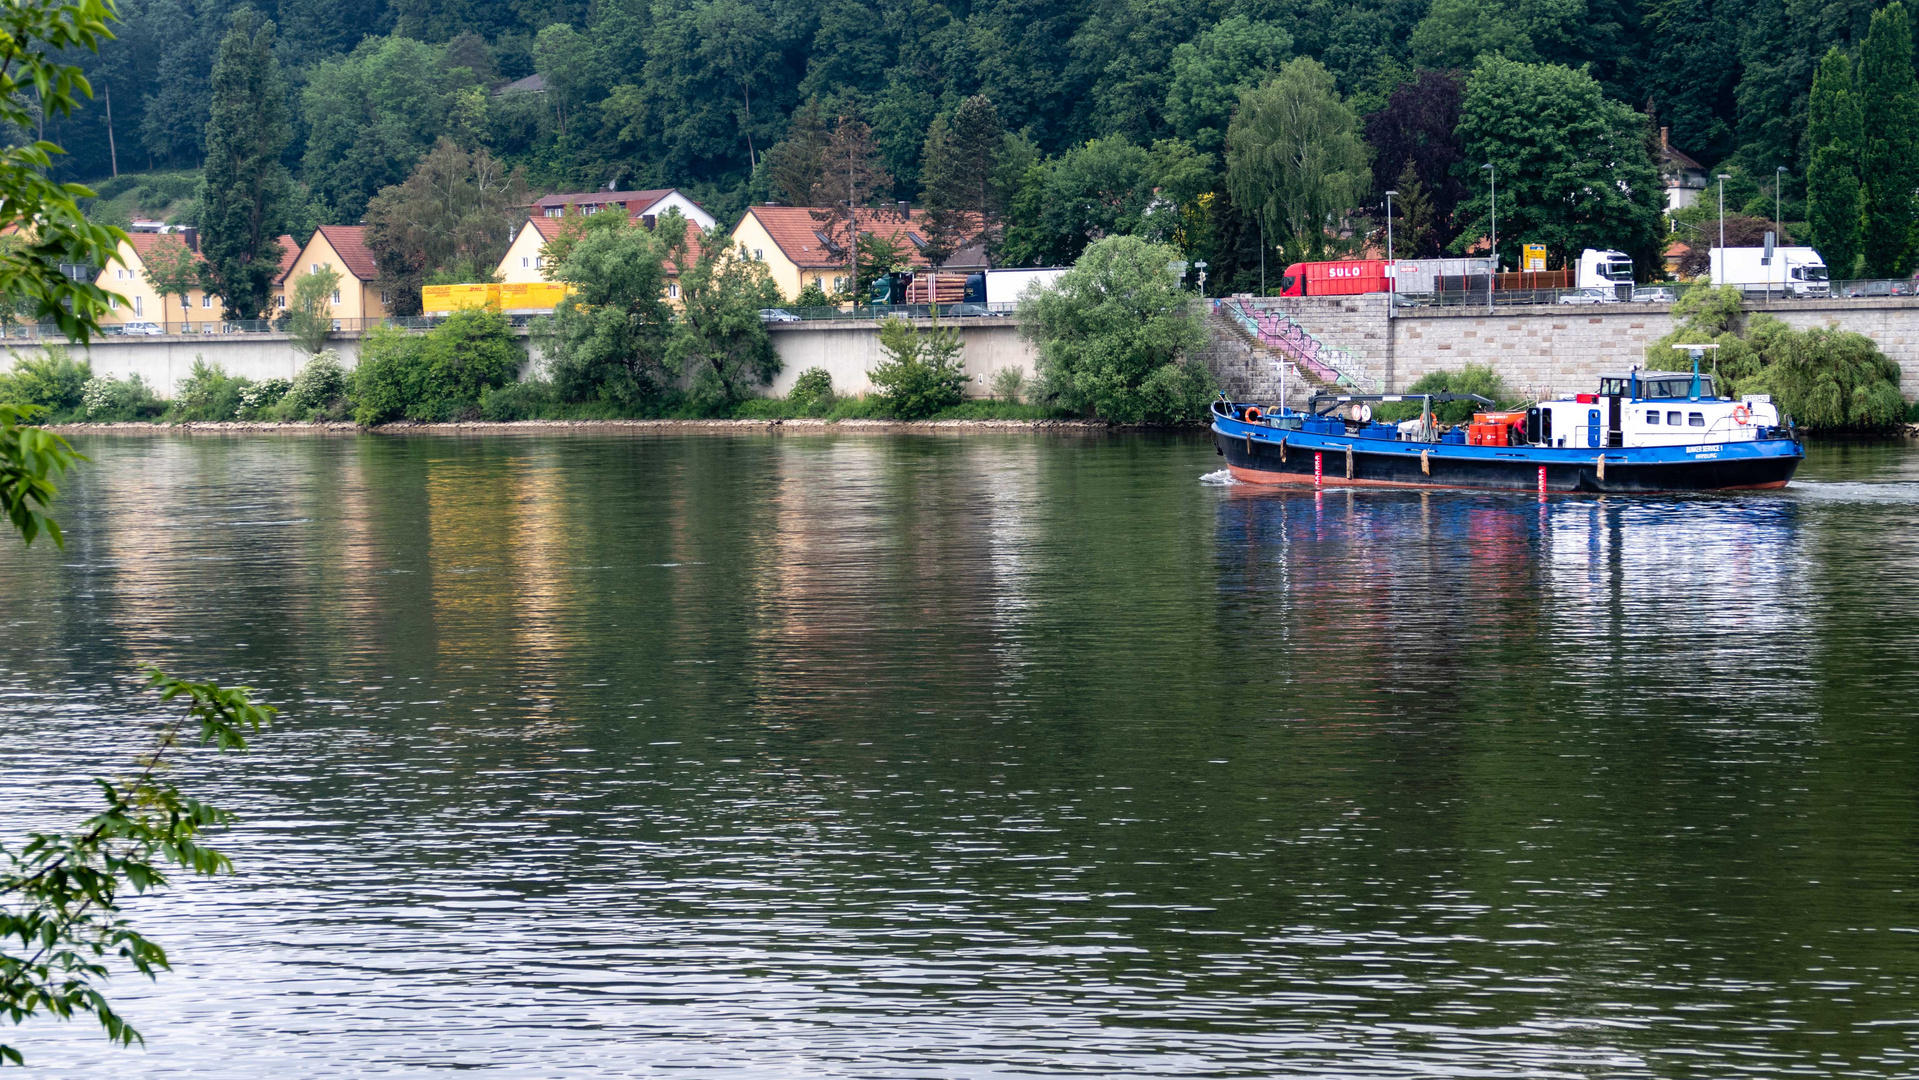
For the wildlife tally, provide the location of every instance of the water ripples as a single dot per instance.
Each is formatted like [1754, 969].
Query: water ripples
[921, 757]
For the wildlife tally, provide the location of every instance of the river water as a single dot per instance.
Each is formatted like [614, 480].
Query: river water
[976, 756]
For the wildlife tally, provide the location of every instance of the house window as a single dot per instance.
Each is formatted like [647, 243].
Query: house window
[139, 305]
[336, 296]
[839, 283]
[554, 211]
[525, 261]
[280, 300]
[113, 302]
[206, 300]
[383, 298]
[539, 262]
[759, 254]
[185, 304]
[673, 292]
[1697, 419]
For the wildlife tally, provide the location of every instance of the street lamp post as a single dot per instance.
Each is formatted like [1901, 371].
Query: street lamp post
[1392, 259]
[1492, 178]
[1201, 267]
[1722, 228]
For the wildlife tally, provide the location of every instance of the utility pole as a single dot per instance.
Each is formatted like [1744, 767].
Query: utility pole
[112, 153]
[1778, 175]
[1492, 178]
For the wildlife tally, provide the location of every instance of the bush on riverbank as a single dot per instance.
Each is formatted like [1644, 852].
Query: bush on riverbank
[440, 375]
[1117, 334]
[55, 382]
[1825, 379]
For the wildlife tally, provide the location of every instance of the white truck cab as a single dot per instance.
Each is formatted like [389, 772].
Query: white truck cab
[1611, 270]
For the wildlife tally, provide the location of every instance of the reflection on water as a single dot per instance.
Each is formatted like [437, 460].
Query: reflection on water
[890, 757]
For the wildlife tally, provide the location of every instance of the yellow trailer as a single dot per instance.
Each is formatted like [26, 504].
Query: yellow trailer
[446, 299]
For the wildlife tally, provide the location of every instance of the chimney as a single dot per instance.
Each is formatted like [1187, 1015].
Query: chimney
[649, 220]
[190, 235]
[1665, 138]
[906, 211]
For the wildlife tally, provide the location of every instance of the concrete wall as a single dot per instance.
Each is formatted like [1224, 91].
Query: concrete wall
[849, 350]
[164, 362]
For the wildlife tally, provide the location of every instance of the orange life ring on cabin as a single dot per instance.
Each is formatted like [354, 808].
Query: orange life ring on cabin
[1252, 414]
[1741, 414]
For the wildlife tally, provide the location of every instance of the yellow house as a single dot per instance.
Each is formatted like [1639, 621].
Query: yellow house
[133, 298]
[525, 260]
[342, 248]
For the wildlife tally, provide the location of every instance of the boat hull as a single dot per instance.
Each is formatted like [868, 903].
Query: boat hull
[1259, 455]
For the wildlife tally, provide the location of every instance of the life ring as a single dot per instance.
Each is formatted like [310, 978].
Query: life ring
[1741, 414]
[1252, 414]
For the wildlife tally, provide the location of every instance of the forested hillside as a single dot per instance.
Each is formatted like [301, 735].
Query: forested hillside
[1103, 102]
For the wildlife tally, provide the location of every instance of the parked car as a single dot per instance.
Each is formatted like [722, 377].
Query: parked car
[773, 314]
[142, 329]
[1657, 294]
[1589, 296]
[1879, 288]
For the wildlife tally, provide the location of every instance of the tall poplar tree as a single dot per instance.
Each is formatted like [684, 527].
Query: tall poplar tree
[246, 186]
[1834, 131]
[1294, 157]
[1889, 152]
[956, 174]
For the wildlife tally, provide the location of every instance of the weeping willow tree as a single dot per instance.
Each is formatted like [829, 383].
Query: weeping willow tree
[1824, 378]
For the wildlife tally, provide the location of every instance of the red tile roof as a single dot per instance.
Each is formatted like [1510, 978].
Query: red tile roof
[349, 242]
[143, 242]
[804, 241]
[289, 254]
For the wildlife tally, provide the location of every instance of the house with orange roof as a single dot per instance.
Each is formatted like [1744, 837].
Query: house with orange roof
[799, 250]
[133, 298]
[525, 260]
[341, 248]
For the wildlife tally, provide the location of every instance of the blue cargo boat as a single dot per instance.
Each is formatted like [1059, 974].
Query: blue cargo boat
[1643, 431]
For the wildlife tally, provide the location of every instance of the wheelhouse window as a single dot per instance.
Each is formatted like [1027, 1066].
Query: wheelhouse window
[1697, 419]
[1612, 387]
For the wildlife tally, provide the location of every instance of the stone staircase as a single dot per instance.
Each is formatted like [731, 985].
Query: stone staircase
[1274, 329]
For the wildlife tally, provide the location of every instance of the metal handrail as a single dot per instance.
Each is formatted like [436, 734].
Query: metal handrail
[1333, 363]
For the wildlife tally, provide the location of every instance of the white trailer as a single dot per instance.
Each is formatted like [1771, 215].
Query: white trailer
[1792, 271]
[1003, 287]
[1608, 269]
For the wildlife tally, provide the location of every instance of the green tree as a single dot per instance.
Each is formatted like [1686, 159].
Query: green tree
[371, 115]
[1294, 157]
[1575, 170]
[1117, 335]
[246, 186]
[1107, 187]
[440, 375]
[923, 372]
[957, 177]
[719, 344]
[33, 84]
[561, 55]
[609, 335]
[1834, 132]
[1414, 235]
[455, 213]
[850, 175]
[1889, 151]
[173, 270]
[310, 317]
[1456, 33]
[793, 166]
[1214, 70]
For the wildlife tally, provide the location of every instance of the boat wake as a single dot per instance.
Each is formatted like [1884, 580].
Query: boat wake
[1897, 491]
[1219, 478]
